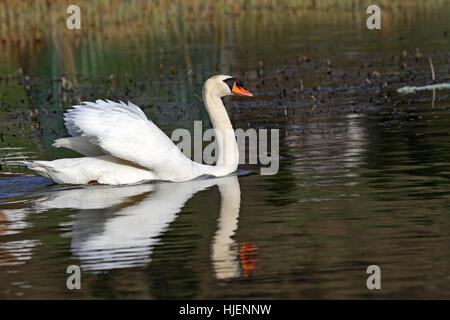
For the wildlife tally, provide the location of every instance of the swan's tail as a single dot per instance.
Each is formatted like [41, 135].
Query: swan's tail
[40, 167]
[83, 145]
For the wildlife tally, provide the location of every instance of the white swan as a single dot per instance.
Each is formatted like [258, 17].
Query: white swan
[121, 146]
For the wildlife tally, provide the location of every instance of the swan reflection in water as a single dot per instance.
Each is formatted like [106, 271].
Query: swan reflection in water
[118, 227]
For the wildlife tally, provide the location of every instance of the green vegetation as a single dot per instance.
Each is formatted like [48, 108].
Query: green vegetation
[31, 21]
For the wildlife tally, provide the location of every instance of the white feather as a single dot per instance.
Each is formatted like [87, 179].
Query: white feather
[123, 130]
[83, 145]
[103, 169]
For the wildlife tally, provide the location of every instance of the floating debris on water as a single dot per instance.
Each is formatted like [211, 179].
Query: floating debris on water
[438, 86]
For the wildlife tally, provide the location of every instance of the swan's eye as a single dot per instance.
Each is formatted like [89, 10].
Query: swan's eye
[230, 82]
[237, 87]
[239, 83]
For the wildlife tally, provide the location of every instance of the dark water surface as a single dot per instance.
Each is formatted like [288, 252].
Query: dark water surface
[364, 172]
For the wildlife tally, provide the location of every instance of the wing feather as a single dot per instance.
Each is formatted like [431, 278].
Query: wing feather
[123, 130]
[84, 145]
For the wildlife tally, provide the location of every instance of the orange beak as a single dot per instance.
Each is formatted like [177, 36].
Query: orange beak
[239, 91]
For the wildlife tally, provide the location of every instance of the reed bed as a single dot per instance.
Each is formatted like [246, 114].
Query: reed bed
[36, 21]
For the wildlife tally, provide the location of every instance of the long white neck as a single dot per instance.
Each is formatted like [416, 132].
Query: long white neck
[228, 152]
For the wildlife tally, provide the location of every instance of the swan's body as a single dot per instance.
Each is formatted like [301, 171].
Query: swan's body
[121, 146]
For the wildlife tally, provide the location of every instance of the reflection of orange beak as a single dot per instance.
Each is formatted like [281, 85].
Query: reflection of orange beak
[239, 91]
[247, 252]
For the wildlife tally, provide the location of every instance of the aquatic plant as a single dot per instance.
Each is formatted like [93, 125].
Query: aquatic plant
[34, 21]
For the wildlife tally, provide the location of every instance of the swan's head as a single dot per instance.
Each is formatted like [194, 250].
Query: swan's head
[222, 85]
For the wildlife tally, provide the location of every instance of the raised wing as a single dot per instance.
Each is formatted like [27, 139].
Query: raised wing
[124, 131]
